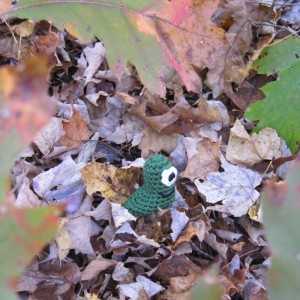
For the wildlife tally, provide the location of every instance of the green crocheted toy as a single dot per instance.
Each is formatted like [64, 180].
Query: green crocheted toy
[158, 190]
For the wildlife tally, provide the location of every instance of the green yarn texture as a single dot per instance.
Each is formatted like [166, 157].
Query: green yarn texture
[153, 194]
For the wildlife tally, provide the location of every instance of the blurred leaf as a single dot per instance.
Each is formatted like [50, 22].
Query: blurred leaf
[5, 4]
[281, 210]
[112, 21]
[25, 97]
[23, 110]
[280, 109]
[197, 45]
[23, 233]
[207, 288]
[154, 36]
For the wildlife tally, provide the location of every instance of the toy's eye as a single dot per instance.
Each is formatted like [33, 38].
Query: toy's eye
[172, 176]
[168, 176]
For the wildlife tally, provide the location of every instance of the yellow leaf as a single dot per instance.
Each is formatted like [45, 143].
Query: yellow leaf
[63, 239]
[115, 184]
[187, 235]
[92, 296]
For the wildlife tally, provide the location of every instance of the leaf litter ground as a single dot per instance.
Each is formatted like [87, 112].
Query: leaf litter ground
[102, 129]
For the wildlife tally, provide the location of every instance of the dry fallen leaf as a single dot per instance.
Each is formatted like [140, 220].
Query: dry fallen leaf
[196, 46]
[102, 211]
[211, 240]
[228, 235]
[120, 273]
[175, 266]
[45, 45]
[154, 142]
[156, 122]
[26, 197]
[179, 221]
[81, 228]
[254, 230]
[179, 119]
[59, 278]
[255, 213]
[133, 290]
[128, 131]
[62, 184]
[203, 157]
[63, 239]
[96, 266]
[179, 156]
[76, 131]
[24, 29]
[180, 286]
[89, 61]
[235, 187]
[249, 150]
[49, 135]
[115, 184]
[228, 65]
[106, 118]
[186, 235]
[92, 297]
[120, 214]
[30, 279]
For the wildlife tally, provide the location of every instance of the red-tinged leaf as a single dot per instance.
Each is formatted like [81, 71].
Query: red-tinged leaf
[113, 22]
[23, 233]
[5, 4]
[189, 38]
[24, 110]
[24, 90]
[153, 34]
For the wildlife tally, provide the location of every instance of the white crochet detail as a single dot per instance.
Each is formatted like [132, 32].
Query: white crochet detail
[167, 178]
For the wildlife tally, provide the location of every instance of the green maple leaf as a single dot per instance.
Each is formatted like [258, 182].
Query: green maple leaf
[281, 107]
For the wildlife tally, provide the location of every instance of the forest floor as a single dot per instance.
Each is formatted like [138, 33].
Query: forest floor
[90, 158]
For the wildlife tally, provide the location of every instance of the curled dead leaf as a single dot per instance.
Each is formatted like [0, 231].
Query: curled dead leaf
[96, 266]
[179, 119]
[186, 235]
[248, 150]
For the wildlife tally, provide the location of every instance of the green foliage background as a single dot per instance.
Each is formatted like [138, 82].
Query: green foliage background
[281, 107]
